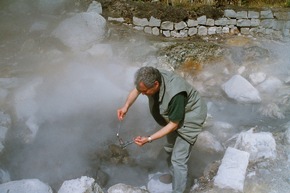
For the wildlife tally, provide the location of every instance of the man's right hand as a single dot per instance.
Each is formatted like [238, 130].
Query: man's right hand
[121, 113]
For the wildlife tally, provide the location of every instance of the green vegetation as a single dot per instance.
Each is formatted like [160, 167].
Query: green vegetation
[247, 3]
[265, 3]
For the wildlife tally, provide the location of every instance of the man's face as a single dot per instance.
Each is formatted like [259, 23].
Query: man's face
[148, 91]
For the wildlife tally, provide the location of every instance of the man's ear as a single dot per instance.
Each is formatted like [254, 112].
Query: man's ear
[156, 84]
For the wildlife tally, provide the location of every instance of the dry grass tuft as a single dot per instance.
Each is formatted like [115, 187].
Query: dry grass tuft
[191, 66]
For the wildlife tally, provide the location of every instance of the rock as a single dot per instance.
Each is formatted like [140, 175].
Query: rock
[239, 89]
[80, 185]
[25, 186]
[153, 22]
[156, 186]
[207, 142]
[123, 188]
[102, 178]
[222, 130]
[270, 85]
[140, 21]
[271, 110]
[95, 7]
[260, 145]
[232, 171]
[257, 78]
[81, 30]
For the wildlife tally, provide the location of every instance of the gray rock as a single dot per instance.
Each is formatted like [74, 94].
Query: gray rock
[140, 21]
[153, 22]
[232, 171]
[81, 30]
[201, 20]
[179, 26]
[268, 14]
[123, 188]
[239, 89]
[207, 142]
[202, 31]
[166, 25]
[80, 185]
[230, 13]
[259, 145]
[192, 31]
[253, 14]
[95, 7]
[192, 23]
[242, 15]
[25, 186]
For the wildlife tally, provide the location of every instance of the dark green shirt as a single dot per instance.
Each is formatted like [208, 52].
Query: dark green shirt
[176, 109]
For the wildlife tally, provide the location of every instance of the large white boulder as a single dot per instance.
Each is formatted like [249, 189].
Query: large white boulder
[124, 188]
[232, 171]
[81, 31]
[25, 186]
[81, 185]
[241, 90]
[260, 145]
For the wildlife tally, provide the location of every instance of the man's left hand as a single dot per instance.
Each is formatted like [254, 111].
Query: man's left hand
[141, 140]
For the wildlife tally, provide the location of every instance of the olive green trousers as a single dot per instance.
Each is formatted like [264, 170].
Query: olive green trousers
[180, 150]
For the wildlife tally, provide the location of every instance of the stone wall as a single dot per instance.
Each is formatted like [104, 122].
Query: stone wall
[269, 23]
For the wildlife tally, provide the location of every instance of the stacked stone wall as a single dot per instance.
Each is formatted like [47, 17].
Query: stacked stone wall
[257, 23]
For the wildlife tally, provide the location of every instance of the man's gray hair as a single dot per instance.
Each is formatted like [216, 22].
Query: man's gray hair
[148, 75]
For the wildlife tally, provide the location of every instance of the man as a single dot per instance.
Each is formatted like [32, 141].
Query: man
[178, 108]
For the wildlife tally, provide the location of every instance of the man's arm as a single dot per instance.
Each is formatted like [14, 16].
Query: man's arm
[170, 127]
[133, 95]
[176, 115]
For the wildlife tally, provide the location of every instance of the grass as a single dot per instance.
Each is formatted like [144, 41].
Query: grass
[246, 3]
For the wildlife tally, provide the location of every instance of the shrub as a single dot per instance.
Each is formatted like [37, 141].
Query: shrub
[288, 3]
